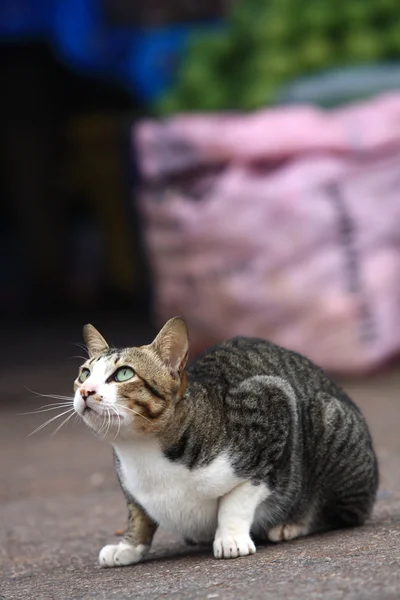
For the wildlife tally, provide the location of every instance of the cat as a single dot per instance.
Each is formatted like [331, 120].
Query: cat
[252, 442]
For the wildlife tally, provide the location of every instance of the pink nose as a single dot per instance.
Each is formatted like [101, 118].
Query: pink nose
[85, 393]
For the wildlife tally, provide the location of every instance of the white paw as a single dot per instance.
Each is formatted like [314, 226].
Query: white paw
[280, 533]
[121, 555]
[232, 546]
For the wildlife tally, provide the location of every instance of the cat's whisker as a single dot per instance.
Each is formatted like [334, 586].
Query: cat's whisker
[81, 347]
[50, 421]
[57, 397]
[54, 396]
[43, 409]
[109, 421]
[135, 412]
[119, 421]
[63, 423]
[103, 425]
[105, 422]
[60, 403]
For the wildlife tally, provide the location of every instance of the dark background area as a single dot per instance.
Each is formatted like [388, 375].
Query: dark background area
[69, 238]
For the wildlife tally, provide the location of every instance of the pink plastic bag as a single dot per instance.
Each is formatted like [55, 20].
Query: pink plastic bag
[283, 224]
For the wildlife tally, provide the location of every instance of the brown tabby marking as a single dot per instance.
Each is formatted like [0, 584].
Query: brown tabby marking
[155, 392]
[141, 528]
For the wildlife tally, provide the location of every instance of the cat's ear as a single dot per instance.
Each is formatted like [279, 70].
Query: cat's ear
[94, 341]
[172, 344]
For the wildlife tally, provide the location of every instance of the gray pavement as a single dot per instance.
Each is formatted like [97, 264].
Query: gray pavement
[60, 502]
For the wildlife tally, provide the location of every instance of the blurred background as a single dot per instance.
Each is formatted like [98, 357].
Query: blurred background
[232, 161]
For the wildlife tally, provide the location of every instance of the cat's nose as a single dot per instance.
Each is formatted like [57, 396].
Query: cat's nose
[85, 393]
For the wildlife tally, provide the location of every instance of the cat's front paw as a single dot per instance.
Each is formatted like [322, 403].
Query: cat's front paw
[233, 546]
[121, 555]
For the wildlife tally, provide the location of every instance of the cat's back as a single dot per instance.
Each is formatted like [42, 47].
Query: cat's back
[228, 364]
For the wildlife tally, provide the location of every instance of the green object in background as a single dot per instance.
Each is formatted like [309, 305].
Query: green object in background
[266, 44]
[363, 46]
[392, 38]
[316, 52]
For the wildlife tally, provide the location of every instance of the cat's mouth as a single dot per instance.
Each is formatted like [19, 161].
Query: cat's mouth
[91, 408]
[90, 413]
[99, 416]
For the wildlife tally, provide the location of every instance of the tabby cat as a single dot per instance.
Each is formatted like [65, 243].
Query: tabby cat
[251, 442]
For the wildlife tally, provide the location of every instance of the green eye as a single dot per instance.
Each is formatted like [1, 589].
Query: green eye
[84, 375]
[123, 374]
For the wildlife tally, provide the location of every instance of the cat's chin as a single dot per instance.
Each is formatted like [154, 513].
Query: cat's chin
[102, 422]
[109, 426]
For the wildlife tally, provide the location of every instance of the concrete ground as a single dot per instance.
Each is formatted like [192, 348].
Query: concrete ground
[60, 503]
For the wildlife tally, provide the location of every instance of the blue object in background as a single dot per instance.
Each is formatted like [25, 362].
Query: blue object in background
[153, 63]
[21, 19]
[143, 60]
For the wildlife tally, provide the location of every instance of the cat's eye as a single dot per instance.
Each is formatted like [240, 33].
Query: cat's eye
[85, 373]
[123, 374]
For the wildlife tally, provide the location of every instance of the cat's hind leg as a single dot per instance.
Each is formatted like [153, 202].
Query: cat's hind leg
[135, 543]
[235, 516]
[289, 531]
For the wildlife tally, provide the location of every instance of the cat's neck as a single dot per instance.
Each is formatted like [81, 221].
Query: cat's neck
[181, 417]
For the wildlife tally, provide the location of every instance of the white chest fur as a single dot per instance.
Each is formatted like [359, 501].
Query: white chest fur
[178, 499]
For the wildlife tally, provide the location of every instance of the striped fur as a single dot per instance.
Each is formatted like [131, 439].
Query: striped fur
[246, 414]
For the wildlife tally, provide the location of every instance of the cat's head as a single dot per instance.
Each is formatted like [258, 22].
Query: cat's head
[134, 391]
